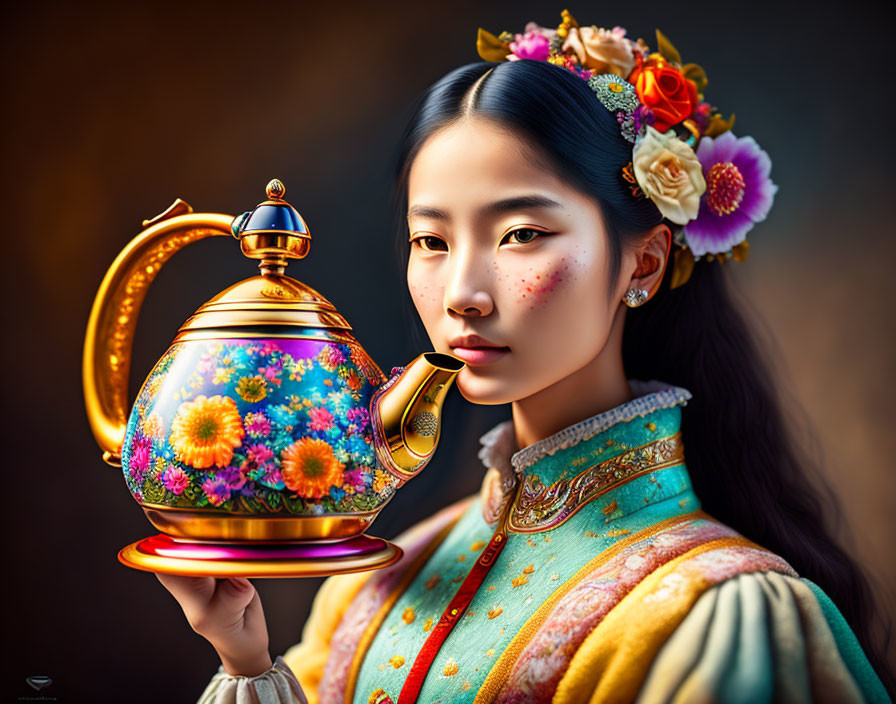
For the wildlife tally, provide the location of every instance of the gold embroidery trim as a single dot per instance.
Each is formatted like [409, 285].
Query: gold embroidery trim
[555, 504]
[503, 666]
[370, 632]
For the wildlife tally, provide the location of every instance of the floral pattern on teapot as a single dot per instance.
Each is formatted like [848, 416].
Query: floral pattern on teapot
[257, 427]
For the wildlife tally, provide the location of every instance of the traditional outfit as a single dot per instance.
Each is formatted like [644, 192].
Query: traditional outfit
[584, 570]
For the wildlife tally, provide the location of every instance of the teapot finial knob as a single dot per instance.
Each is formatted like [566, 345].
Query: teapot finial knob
[275, 189]
[273, 232]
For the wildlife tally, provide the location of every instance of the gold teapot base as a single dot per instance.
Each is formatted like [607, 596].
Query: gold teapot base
[306, 558]
[208, 525]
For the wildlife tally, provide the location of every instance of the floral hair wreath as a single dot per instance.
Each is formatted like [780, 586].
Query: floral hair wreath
[684, 156]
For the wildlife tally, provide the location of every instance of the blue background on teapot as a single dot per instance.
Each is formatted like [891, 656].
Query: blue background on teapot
[257, 426]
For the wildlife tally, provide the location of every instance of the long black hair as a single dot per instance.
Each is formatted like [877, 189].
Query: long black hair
[745, 466]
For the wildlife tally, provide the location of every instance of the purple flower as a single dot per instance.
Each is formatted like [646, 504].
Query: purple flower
[642, 116]
[356, 479]
[358, 415]
[216, 490]
[233, 477]
[270, 477]
[738, 194]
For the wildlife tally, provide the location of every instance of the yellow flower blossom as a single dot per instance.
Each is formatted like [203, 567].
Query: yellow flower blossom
[152, 425]
[206, 431]
[380, 480]
[222, 375]
[252, 388]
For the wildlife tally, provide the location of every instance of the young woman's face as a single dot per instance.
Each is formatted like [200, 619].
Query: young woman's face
[504, 250]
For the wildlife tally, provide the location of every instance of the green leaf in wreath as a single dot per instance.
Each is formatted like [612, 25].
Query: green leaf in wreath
[718, 125]
[696, 73]
[667, 49]
[682, 266]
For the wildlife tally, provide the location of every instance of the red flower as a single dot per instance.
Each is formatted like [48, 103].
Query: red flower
[664, 89]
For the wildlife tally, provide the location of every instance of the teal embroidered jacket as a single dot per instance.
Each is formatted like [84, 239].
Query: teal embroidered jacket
[584, 570]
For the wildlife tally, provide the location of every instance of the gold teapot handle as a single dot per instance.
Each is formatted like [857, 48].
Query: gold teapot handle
[113, 318]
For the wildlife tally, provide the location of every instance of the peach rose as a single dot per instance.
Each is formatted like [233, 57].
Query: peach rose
[670, 174]
[606, 50]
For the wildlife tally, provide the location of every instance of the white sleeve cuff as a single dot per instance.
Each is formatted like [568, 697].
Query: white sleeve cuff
[275, 686]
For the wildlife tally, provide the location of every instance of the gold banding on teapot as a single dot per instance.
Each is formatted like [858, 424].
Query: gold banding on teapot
[265, 440]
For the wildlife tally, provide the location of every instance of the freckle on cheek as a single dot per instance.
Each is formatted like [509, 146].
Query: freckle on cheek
[540, 288]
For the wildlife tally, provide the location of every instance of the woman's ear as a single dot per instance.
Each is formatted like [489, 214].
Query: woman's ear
[651, 256]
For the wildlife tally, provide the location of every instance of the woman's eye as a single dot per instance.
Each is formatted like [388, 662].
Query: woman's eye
[430, 243]
[524, 235]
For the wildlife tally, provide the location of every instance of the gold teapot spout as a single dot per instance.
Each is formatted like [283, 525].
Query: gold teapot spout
[406, 413]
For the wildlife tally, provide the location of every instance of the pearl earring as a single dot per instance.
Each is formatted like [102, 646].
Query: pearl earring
[635, 297]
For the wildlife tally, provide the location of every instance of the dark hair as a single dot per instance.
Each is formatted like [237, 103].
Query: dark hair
[745, 467]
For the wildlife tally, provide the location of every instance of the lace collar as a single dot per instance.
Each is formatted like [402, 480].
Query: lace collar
[536, 463]
[499, 444]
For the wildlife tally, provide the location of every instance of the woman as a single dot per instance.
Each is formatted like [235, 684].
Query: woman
[565, 240]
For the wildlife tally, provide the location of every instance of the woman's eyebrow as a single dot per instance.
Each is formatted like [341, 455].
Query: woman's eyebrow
[501, 206]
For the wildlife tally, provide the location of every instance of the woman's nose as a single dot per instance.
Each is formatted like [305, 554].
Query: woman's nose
[474, 304]
[467, 294]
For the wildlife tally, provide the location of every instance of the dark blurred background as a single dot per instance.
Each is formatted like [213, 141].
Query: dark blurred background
[112, 111]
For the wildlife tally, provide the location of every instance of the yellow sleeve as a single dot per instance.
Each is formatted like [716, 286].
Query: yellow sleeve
[308, 657]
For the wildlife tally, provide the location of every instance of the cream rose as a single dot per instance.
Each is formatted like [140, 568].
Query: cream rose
[669, 173]
[606, 50]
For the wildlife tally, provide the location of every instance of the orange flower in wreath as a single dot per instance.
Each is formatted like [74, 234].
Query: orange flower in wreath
[663, 88]
[205, 431]
[310, 468]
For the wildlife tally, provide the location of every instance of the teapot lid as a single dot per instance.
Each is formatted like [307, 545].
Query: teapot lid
[271, 304]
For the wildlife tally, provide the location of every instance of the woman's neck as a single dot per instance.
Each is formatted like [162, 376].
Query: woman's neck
[597, 387]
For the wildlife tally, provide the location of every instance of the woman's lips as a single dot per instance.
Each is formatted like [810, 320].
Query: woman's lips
[479, 355]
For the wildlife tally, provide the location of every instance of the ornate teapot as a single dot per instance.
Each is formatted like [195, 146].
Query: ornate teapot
[265, 440]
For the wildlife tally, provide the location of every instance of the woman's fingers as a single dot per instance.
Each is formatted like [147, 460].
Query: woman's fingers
[254, 616]
[192, 593]
[227, 606]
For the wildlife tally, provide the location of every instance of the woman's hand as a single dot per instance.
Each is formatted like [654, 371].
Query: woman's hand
[227, 613]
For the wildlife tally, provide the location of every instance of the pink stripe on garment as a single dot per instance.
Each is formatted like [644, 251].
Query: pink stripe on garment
[544, 661]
